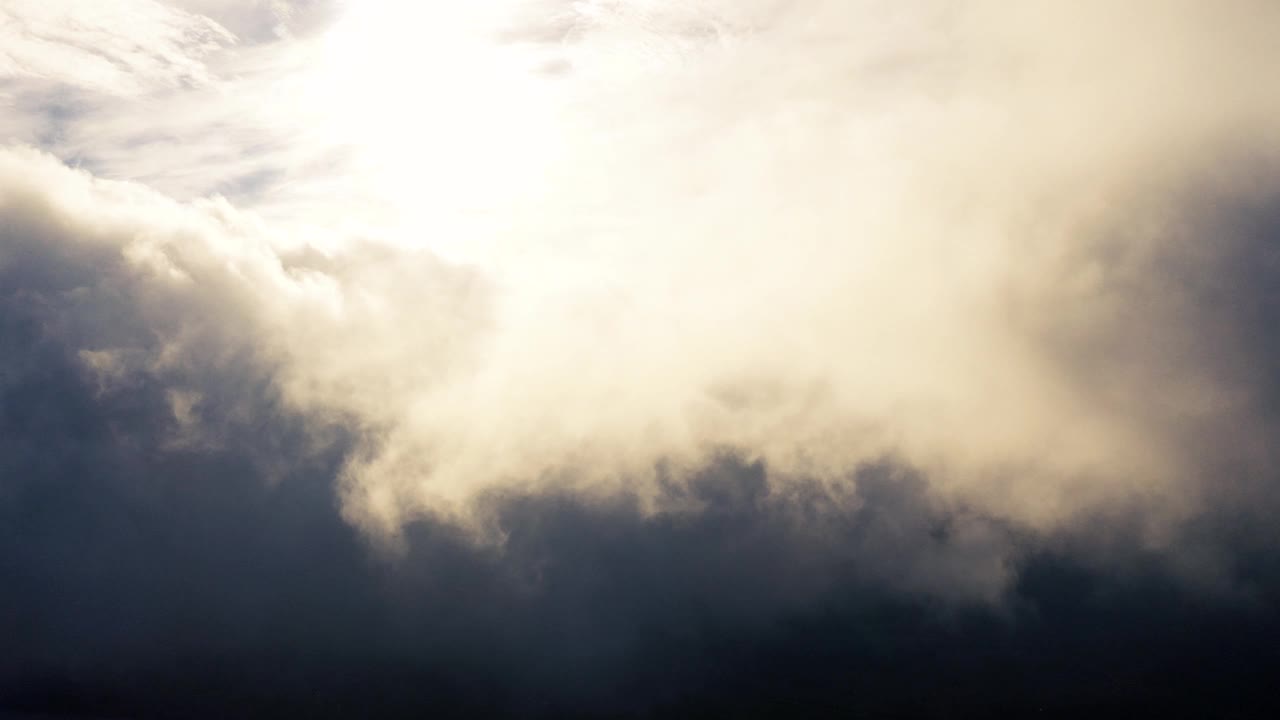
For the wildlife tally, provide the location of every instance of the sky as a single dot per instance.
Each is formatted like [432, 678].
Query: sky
[639, 358]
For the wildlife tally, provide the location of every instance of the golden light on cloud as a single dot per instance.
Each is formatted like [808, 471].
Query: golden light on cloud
[582, 241]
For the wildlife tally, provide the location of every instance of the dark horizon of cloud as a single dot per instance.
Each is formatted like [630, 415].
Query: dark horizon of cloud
[214, 591]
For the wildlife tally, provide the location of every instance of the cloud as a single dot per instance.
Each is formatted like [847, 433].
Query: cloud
[937, 203]
[121, 49]
[367, 348]
[264, 20]
[157, 93]
[148, 579]
[143, 574]
[908, 266]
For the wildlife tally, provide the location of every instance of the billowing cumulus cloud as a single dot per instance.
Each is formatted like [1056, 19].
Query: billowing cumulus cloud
[561, 353]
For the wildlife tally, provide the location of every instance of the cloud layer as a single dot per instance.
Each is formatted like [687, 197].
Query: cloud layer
[562, 353]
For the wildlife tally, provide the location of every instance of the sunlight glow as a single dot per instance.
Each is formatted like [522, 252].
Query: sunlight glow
[447, 123]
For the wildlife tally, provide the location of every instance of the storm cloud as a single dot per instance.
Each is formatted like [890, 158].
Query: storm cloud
[639, 358]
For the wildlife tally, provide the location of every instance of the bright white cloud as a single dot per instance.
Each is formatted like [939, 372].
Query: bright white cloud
[814, 233]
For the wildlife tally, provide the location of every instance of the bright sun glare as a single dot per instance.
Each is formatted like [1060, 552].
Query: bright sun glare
[446, 122]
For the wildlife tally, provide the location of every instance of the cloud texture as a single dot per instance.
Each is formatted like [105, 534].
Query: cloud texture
[586, 356]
